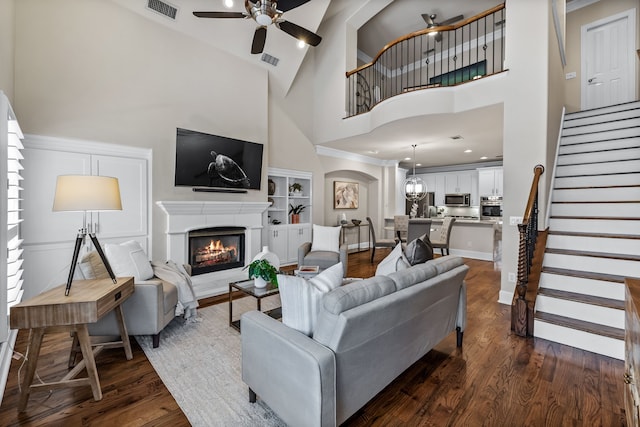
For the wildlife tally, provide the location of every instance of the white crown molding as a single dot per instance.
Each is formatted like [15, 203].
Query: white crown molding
[332, 152]
[84, 146]
[579, 4]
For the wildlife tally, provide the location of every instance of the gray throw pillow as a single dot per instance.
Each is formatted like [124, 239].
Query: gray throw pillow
[418, 251]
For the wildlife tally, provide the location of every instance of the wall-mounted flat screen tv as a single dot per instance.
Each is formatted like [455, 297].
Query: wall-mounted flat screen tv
[204, 160]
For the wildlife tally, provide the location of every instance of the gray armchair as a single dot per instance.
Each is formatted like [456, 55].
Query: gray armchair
[323, 259]
[146, 312]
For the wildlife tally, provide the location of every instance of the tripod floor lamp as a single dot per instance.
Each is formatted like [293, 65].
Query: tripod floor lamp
[86, 193]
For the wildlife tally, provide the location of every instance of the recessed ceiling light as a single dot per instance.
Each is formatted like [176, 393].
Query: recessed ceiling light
[228, 4]
[418, 164]
[468, 151]
[407, 158]
[483, 158]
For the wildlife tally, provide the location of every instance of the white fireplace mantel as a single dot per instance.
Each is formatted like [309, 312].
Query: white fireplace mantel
[184, 216]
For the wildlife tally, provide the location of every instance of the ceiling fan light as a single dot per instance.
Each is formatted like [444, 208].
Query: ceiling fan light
[263, 19]
[228, 4]
[433, 33]
[301, 44]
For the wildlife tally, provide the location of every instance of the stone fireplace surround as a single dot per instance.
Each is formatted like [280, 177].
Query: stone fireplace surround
[184, 216]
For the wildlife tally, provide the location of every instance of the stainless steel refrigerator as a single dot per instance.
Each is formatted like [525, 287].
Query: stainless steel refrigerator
[426, 206]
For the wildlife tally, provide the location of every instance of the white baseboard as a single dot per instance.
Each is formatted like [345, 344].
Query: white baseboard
[6, 352]
[484, 256]
[505, 297]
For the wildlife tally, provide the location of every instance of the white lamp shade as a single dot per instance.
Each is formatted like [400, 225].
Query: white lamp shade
[87, 193]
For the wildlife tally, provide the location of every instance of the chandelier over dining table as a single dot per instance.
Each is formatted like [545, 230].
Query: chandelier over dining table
[415, 189]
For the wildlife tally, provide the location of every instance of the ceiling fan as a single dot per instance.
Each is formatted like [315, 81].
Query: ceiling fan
[430, 19]
[265, 13]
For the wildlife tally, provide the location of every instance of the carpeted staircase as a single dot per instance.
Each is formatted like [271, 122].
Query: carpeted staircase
[594, 231]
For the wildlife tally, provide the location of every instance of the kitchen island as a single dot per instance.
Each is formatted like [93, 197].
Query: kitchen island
[470, 238]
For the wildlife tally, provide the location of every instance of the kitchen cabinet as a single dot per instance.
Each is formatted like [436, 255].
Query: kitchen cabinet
[289, 188]
[490, 181]
[458, 182]
[49, 237]
[440, 189]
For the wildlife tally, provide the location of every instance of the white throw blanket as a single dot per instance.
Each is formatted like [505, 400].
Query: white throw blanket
[176, 274]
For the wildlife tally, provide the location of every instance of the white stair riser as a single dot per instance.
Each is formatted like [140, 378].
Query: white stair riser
[590, 342]
[592, 264]
[619, 115]
[598, 180]
[576, 310]
[598, 288]
[630, 166]
[594, 113]
[599, 156]
[601, 136]
[594, 244]
[620, 210]
[631, 227]
[601, 127]
[629, 194]
[614, 144]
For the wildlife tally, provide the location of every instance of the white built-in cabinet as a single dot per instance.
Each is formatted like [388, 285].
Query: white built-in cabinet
[490, 181]
[49, 236]
[286, 237]
[452, 182]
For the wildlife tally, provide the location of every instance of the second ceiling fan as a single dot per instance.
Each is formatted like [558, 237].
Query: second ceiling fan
[265, 13]
[430, 19]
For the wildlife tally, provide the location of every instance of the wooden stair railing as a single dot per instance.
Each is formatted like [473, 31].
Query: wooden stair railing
[524, 298]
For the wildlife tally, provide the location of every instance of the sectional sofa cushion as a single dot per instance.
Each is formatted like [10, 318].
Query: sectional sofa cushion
[301, 298]
[418, 251]
[357, 293]
[393, 262]
[446, 263]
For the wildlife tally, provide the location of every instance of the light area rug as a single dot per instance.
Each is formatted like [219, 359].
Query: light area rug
[200, 364]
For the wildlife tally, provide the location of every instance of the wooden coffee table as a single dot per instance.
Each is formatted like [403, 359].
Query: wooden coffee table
[247, 287]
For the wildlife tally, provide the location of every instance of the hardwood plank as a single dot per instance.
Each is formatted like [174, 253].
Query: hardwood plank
[496, 378]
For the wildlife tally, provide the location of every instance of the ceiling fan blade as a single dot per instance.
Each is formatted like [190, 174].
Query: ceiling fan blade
[427, 19]
[300, 33]
[259, 39]
[452, 20]
[220, 14]
[285, 5]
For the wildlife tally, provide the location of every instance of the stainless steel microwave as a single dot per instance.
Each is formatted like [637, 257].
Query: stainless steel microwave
[457, 199]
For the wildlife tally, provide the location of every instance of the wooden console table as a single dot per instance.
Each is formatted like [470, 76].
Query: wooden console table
[52, 311]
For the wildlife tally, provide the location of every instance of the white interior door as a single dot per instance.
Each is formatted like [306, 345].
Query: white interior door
[608, 58]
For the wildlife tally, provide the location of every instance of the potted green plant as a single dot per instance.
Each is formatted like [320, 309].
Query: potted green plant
[295, 212]
[295, 188]
[263, 272]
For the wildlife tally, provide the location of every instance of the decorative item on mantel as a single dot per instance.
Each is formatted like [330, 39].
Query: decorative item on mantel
[295, 212]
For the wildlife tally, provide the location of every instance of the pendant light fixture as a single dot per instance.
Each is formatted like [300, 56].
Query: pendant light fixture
[415, 188]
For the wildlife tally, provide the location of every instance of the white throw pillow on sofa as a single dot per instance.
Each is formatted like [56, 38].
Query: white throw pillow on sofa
[393, 262]
[301, 297]
[129, 259]
[326, 238]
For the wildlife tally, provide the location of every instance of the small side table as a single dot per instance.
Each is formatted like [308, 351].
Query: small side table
[247, 287]
[52, 311]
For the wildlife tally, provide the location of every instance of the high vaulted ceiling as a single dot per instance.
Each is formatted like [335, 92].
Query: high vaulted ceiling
[481, 130]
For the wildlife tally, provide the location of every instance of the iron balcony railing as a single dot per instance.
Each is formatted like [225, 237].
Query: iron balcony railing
[433, 57]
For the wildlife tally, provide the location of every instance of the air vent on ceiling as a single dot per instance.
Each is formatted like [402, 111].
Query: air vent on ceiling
[163, 8]
[270, 59]
[456, 137]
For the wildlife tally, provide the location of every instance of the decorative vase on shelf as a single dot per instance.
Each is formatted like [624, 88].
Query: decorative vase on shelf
[259, 282]
[271, 187]
[295, 218]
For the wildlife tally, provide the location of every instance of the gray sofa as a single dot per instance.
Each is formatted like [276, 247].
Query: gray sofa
[367, 333]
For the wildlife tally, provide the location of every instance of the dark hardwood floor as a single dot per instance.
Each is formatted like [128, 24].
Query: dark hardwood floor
[495, 379]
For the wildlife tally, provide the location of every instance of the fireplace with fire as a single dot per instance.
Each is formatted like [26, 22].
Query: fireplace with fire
[216, 249]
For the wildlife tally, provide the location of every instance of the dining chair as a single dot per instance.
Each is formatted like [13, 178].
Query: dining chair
[401, 226]
[445, 235]
[382, 243]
